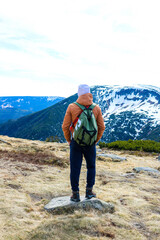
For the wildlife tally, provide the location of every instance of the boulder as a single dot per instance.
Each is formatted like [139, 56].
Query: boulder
[62, 205]
[99, 150]
[147, 169]
[3, 141]
[114, 157]
[129, 175]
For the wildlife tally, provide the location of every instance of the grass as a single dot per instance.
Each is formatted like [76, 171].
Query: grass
[27, 185]
[133, 145]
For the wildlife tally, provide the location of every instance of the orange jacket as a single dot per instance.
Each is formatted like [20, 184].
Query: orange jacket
[73, 111]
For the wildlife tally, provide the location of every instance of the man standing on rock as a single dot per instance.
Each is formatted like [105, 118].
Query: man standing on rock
[83, 126]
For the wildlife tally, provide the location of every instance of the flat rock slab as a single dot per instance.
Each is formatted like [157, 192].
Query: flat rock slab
[1, 140]
[147, 169]
[129, 175]
[61, 205]
[112, 156]
[99, 150]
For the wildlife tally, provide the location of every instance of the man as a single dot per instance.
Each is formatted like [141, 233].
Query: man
[77, 151]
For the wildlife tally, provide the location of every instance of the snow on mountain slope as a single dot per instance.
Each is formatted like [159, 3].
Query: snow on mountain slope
[18, 106]
[135, 99]
[128, 111]
[28, 102]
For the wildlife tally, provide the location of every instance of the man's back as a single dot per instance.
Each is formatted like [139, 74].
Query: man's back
[73, 111]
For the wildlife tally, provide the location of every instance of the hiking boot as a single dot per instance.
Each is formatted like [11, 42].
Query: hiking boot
[75, 196]
[89, 193]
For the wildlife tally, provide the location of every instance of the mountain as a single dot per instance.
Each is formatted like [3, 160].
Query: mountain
[39, 125]
[129, 113]
[16, 107]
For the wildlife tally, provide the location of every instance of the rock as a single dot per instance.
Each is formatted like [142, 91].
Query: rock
[63, 149]
[114, 157]
[14, 186]
[62, 205]
[1, 140]
[147, 169]
[129, 175]
[158, 158]
[99, 150]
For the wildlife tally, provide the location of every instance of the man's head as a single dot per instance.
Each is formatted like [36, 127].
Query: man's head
[83, 89]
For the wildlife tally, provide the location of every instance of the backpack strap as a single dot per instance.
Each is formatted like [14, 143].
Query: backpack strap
[87, 108]
[85, 131]
[82, 108]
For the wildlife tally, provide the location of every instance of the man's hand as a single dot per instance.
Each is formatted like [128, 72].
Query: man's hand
[69, 142]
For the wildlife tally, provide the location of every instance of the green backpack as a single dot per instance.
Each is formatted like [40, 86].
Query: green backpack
[85, 130]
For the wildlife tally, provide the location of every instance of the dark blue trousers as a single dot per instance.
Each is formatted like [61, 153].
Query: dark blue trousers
[76, 156]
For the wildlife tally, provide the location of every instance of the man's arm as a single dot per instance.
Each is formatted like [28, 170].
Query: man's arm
[100, 124]
[66, 124]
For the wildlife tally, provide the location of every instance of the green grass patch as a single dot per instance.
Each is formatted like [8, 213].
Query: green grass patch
[133, 145]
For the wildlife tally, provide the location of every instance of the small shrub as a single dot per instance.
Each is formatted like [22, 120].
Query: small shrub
[53, 139]
[133, 145]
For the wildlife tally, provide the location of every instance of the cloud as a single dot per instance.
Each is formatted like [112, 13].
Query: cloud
[8, 45]
[64, 43]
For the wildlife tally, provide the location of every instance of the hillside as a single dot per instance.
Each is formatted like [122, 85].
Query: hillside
[128, 112]
[19, 106]
[12, 113]
[34, 172]
[39, 125]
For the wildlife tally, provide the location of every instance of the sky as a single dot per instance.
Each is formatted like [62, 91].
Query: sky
[49, 47]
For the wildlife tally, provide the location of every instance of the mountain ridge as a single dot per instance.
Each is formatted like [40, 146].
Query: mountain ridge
[128, 112]
[14, 107]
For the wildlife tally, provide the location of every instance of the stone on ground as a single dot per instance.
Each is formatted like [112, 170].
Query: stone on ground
[114, 157]
[147, 169]
[63, 204]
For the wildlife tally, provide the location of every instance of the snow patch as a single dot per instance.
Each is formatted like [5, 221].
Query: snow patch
[50, 98]
[20, 100]
[6, 106]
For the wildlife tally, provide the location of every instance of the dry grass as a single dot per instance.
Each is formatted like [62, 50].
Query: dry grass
[29, 179]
